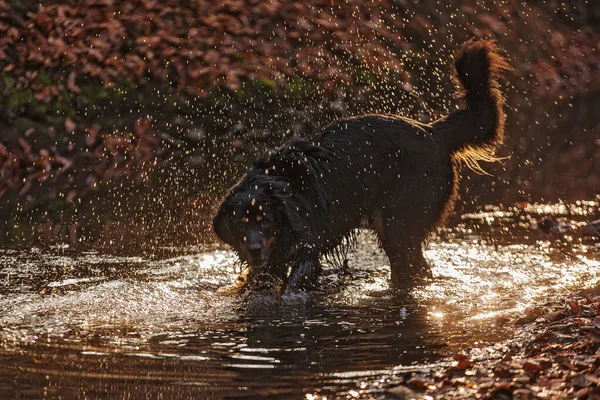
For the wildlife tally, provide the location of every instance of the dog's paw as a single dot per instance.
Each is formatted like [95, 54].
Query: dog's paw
[262, 282]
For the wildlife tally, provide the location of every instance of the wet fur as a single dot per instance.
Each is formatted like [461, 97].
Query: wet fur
[397, 174]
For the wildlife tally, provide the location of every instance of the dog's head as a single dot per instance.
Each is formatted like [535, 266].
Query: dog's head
[258, 218]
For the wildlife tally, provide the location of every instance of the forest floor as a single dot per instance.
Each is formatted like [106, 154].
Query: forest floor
[555, 351]
[555, 354]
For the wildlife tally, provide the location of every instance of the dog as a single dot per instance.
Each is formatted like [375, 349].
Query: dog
[304, 199]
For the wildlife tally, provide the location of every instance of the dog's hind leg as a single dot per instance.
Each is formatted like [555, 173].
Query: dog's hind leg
[402, 240]
[408, 266]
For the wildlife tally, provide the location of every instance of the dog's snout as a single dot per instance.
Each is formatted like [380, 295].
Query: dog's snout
[255, 250]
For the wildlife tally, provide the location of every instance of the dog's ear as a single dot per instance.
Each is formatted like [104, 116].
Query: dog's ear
[223, 225]
[291, 163]
[293, 214]
[286, 206]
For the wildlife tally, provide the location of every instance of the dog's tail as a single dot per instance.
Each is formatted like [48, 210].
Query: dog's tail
[472, 133]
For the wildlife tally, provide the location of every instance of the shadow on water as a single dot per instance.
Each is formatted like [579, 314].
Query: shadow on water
[81, 323]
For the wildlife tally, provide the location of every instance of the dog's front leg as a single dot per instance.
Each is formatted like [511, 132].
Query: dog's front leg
[304, 272]
[303, 276]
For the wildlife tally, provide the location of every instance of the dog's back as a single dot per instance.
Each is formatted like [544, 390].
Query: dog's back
[382, 153]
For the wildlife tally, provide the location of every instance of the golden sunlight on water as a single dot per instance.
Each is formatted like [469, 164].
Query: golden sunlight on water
[114, 324]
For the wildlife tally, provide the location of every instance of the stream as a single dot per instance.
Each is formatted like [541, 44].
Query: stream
[86, 323]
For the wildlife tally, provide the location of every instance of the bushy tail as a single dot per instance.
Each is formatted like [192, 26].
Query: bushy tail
[472, 133]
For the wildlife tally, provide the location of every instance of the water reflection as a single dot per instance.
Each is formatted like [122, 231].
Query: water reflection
[74, 322]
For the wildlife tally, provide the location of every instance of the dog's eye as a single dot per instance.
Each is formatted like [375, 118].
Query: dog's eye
[241, 224]
[264, 223]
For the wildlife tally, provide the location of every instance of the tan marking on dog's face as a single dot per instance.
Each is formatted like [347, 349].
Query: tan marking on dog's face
[268, 241]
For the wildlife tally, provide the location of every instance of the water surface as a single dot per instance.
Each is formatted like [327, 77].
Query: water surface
[85, 323]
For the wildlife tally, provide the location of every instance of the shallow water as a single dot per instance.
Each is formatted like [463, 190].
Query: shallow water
[82, 323]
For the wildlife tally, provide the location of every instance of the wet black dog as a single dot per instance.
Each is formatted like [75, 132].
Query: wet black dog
[305, 198]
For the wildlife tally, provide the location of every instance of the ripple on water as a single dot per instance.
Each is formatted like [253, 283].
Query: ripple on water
[126, 321]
